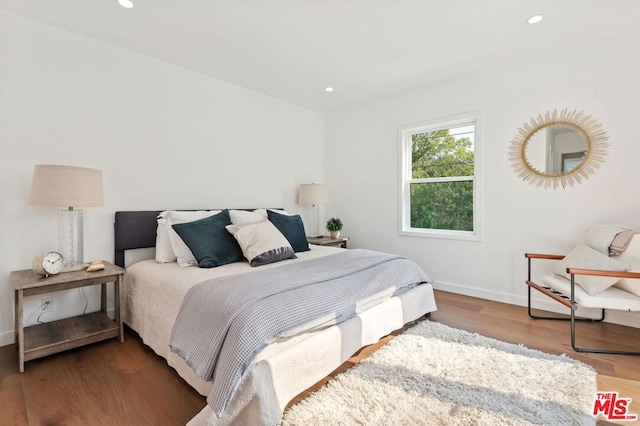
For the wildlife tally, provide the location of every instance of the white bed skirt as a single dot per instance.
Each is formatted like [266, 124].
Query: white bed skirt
[284, 369]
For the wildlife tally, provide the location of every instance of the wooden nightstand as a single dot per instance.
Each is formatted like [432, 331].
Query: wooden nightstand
[52, 337]
[328, 241]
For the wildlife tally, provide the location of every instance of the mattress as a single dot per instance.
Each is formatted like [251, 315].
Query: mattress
[153, 295]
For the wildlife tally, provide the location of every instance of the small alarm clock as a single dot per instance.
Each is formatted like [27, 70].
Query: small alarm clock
[49, 263]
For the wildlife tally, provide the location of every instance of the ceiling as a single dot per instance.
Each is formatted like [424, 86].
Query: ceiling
[293, 49]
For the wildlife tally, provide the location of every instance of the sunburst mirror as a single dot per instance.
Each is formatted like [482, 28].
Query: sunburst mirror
[558, 149]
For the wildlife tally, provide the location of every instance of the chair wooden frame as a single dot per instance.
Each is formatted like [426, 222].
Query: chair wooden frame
[569, 300]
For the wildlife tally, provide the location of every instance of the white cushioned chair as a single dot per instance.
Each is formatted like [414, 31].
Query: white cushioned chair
[622, 291]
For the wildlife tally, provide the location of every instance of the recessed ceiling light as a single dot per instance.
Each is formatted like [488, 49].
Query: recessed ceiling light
[126, 3]
[328, 89]
[535, 19]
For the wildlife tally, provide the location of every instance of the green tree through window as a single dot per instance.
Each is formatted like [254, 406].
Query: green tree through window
[440, 176]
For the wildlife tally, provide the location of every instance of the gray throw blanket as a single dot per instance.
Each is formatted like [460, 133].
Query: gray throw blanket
[224, 322]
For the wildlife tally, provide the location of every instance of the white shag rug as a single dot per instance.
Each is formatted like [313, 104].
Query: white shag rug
[433, 374]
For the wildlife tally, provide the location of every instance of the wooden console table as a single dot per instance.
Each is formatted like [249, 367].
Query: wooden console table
[52, 337]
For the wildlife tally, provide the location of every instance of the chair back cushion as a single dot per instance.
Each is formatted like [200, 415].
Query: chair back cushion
[631, 256]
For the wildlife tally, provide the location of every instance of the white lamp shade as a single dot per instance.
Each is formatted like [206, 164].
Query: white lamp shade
[66, 186]
[313, 194]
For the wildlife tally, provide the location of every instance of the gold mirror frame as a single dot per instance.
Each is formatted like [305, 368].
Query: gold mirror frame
[590, 129]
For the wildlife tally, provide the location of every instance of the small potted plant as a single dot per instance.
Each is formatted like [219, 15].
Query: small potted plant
[334, 226]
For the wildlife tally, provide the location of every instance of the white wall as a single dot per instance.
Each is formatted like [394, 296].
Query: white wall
[362, 167]
[168, 137]
[165, 137]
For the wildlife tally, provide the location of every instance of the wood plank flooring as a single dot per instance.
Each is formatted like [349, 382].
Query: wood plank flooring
[109, 383]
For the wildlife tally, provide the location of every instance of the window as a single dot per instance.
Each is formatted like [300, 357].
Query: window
[439, 194]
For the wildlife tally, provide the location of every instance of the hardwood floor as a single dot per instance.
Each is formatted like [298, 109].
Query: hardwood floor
[109, 383]
[106, 383]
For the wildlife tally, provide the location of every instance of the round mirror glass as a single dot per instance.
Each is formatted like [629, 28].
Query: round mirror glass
[558, 149]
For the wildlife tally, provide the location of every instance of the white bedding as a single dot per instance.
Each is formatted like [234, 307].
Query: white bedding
[153, 294]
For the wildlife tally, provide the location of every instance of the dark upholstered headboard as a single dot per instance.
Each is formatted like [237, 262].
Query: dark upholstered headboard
[137, 229]
[132, 230]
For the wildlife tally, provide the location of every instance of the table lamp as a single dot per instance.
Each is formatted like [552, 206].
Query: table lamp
[71, 187]
[314, 194]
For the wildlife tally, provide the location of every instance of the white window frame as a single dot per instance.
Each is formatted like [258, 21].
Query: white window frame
[405, 134]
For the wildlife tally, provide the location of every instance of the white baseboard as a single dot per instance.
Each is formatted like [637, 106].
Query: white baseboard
[631, 319]
[8, 337]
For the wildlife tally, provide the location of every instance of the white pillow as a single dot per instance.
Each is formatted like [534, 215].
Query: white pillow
[262, 243]
[243, 217]
[164, 251]
[585, 257]
[632, 285]
[180, 249]
[263, 212]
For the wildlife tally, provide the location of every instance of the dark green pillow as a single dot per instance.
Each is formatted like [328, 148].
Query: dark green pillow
[292, 228]
[209, 241]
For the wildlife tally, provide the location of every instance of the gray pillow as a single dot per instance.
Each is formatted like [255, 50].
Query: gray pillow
[262, 243]
[585, 257]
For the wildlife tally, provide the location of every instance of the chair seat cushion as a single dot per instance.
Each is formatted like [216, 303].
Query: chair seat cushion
[612, 298]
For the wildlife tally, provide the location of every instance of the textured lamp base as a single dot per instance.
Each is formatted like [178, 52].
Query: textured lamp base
[316, 233]
[70, 239]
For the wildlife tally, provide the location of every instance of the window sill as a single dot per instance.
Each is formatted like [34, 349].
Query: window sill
[445, 234]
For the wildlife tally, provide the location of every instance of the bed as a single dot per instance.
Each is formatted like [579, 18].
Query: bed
[283, 367]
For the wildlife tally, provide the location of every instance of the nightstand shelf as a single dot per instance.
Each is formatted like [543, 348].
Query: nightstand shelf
[48, 338]
[329, 241]
[57, 336]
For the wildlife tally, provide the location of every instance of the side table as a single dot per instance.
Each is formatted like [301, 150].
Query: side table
[40, 340]
[328, 241]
